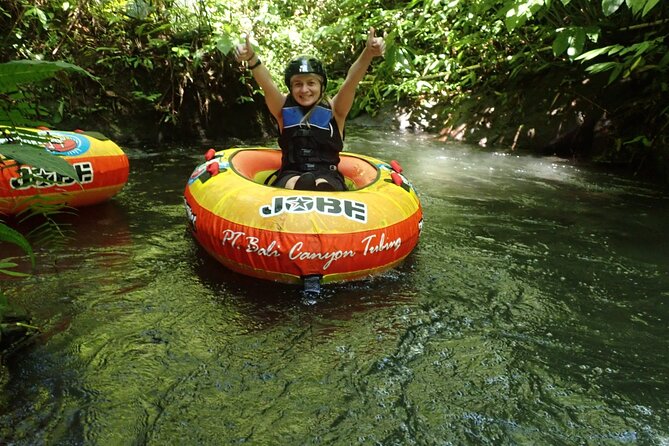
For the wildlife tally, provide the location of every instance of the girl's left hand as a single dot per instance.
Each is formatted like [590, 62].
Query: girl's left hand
[375, 45]
[244, 52]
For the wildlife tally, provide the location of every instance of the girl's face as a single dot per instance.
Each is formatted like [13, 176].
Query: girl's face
[306, 89]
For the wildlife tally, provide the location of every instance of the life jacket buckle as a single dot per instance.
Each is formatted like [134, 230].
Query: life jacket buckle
[306, 152]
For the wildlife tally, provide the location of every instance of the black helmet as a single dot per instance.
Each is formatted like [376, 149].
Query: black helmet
[305, 65]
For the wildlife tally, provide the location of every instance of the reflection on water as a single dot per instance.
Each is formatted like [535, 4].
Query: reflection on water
[534, 311]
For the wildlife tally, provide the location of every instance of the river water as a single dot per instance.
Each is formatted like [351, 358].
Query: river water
[535, 310]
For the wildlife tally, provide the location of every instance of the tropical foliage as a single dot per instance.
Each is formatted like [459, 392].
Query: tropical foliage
[8, 268]
[173, 57]
[9, 235]
[19, 102]
[16, 148]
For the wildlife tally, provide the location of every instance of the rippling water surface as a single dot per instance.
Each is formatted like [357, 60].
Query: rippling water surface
[535, 310]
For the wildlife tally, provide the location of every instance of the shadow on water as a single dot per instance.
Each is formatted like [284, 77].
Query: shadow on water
[272, 303]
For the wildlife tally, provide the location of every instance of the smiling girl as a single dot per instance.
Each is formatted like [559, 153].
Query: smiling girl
[311, 127]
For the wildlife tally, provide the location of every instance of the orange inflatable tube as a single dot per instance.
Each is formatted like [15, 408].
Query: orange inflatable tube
[287, 235]
[102, 168]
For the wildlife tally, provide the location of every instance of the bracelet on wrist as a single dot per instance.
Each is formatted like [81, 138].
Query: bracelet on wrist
[255, 65]
[249, 59]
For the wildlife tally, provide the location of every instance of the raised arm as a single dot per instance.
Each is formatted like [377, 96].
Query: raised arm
[273, 96]
[343, 100]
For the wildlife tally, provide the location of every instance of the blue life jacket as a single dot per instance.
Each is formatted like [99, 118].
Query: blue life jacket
[309, 141]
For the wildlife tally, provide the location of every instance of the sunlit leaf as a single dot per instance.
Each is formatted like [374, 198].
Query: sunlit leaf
[576, 43]
[611, 6]
[650, 4]
[225, 44]
[638, 61]
[29, 71]
[601, 67]
[39, 14]
[513, 20]
[638, 48]
[589, 55]
[635, 5]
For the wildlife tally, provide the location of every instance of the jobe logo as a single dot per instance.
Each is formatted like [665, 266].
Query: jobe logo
[41, 178]
[353, 210]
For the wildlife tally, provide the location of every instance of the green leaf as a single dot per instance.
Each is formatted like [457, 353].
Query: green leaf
[513, 20]
[561, 42]
[615, 73]
[637, 62]
[19, 72]
[635, 5]
[664, 61]
[14, 237]
[641, 138]
[601, 67]
[611, 6]
[10, 273]
[224, 44]
[576, 43]
[39, 14]
[650, 4]
[38, 157]
[589, 55]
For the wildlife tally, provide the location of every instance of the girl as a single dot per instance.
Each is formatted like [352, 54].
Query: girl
[311, 127]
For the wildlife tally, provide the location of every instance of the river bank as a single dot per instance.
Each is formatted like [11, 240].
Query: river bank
[558, 113]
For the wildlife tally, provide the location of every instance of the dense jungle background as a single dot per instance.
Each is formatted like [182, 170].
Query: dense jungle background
[574, 78]
[533, 312]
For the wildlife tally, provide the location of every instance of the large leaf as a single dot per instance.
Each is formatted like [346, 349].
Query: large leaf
[561, 42]
[650, 4]
[38, 157]
[576, 42]
[520, 11]
[225, 44]
[635, 5]
[611, 6]
[14, 237]
[19, 72]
